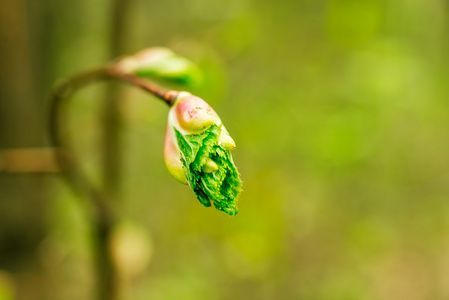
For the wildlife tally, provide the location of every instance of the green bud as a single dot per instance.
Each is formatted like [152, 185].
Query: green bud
[197, 150]
[162, 63]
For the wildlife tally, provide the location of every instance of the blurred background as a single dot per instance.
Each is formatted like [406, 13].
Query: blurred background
[340, 114]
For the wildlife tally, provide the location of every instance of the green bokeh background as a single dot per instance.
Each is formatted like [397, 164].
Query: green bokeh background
[340, 114]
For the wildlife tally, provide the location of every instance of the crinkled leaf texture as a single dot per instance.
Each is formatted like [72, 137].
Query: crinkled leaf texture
[221, 187]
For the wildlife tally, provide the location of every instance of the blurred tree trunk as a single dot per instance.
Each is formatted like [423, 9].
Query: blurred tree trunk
[22, 197]
[112, 151]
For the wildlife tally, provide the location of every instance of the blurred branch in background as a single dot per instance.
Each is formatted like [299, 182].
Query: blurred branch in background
[23, 196]
[112, 149]
[112, 146]
[28, 160]
[18, 117]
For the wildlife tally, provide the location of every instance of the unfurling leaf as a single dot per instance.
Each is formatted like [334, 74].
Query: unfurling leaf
[197, 151]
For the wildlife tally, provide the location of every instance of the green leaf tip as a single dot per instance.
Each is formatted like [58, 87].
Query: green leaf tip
[221, 187]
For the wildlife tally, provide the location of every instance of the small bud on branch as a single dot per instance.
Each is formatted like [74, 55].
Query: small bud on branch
[197, 145]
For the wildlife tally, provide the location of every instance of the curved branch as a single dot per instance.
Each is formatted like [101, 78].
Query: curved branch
[65, 90]
[65, 158]
[103, 212]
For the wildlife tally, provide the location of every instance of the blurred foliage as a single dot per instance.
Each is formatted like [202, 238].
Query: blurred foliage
[340, 114]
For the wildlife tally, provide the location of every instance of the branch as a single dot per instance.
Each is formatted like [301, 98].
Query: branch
[103, 216]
